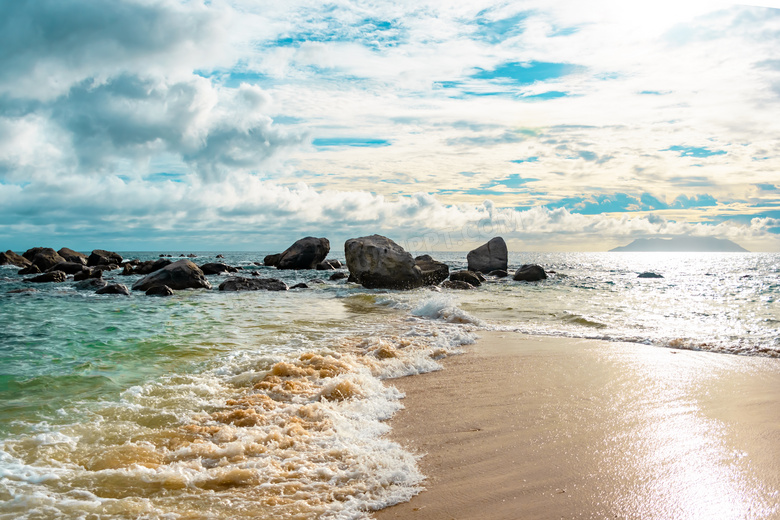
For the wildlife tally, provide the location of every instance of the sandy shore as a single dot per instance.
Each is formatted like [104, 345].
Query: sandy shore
[524, 427]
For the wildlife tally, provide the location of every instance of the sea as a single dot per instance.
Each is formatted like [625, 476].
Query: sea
[221, 405]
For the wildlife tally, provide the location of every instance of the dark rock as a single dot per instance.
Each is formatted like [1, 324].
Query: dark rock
[456, 284]
[127, 269]
[300, 286]
[220, 256]
[73, 256]
[488, 257]
[433, 272]
[30, 269]
[160, 290]
[116, 288]
[103, 257]
[338, 276]
[192, 255]
[376, 262]
[11, 258]
[648, 274]
[239, 283]
[91, 284]
[68, 267]
[151, 266]
[530, 273]
[217, 268]
[498, 273]
[178, 275]
[271, 260]
[469, 277]
[30, 253]
[46, 258]
[305, 253]
[52, 276]
[316, 280]
[87, 274]
[328, 265]
[105, 267]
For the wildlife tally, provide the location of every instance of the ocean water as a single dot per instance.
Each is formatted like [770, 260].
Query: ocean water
[274, 404]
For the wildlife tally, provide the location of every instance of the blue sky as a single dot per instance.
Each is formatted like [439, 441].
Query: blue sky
[243, 125]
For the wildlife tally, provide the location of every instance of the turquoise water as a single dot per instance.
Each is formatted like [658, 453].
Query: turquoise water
[270, 405]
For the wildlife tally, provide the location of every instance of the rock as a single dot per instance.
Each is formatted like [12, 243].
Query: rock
[46, 258]
[469, 277]
[127, 269]
[23, 291]
[53, 276]
[103, 257]
[649, 274]
[116, 288]
[338, 276]
[11, 258]
[450, 284]
[239, 283]
[433, 272]
[30, 269]
[87, 274]
[220, 256]
[160, 290]
[305, 253]
[271, 260]
[68, 267]
[488, 257]
[300, 286]
[376, 262]
[30, 253]
[316, 280]
[151, 266]
[182, 274]
[73, 256]
[105, 267]
[328, 265]
[530, 273]
[217, 268]
[192, 255]
[499, 273]
[91, 284]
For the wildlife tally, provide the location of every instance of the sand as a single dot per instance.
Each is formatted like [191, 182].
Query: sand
[524, 427]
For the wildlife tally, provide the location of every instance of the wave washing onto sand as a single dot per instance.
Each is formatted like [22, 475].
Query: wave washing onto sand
[299, 436]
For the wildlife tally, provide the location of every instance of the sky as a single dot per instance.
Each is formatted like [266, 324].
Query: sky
[245, 124]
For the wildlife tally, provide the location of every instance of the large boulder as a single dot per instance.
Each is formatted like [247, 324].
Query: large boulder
[178, 275]
[433, 272]
[530, 273]
[377, 262]
[306, 253]
[44, 258]
[103, 257]
[116, 288]
[73, 256]
[272, 260]
[11, 258]
[53, 276]
[488, 257]
[469, 277]
[240, 283]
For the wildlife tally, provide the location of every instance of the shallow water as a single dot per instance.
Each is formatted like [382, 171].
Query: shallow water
[271, 405]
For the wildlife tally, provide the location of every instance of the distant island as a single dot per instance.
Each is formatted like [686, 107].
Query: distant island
[682, 245]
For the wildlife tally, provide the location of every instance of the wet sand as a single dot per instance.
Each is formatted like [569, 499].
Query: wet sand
[524, 427]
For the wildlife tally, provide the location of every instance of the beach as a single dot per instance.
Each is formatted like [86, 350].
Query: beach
[549, 427]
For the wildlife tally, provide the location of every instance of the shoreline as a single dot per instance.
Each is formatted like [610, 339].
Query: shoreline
[543, 427]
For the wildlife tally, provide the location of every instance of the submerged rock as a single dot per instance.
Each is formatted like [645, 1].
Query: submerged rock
[499, 273]
[116, 288]
[469, 277]
[178, 275]
[649, 274]
[217, 268]
[91, 284]
[376, 262]
[305, 253]
[488, 257]
[530, 273]
[456, 284]
[338, 276]
[240, 283]
[160, 290]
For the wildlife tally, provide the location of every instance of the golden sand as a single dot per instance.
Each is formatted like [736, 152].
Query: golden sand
[524, 427]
